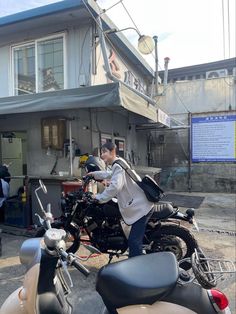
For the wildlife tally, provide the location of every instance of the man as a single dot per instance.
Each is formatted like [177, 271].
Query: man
[133, 204]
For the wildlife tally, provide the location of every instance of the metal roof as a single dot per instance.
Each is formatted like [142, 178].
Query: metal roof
[40, 11]
[41, 16]
[199, 69]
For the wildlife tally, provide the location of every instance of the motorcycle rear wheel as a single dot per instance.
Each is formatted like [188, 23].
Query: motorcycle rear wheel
[175, 239]
[72, 236]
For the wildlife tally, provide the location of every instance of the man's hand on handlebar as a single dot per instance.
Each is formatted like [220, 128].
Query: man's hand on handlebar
[90, 174]
[90, 197]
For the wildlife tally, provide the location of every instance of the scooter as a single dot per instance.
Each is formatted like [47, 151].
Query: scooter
[154, 283]
[148, 284]
[44, 289]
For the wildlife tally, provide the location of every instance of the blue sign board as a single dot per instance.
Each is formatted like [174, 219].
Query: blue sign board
[214, 138]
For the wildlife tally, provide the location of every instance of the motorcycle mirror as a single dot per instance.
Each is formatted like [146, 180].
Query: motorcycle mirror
[91, 249]
[43, 187]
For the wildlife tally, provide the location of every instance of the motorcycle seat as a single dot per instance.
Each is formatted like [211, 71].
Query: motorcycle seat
[138, 280]
[163, 211]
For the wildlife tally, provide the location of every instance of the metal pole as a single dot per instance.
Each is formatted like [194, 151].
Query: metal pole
[190, 152]
[155, 38]
[71, 157]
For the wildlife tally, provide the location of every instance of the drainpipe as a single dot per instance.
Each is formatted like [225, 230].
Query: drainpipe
[189, 152]
[166, 72]
[108, 68]
[155, 38]
[71, 152]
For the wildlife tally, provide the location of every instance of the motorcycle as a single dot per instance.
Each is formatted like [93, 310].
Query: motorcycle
[106, 230]
[126, 287]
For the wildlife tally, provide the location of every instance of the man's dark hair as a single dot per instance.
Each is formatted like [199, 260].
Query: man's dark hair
[108, 146]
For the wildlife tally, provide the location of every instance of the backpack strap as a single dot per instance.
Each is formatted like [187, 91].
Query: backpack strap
[127, 169]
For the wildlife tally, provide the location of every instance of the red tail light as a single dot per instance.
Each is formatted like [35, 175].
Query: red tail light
[219, 298]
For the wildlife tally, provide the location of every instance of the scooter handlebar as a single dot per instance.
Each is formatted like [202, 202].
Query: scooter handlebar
[80, 267]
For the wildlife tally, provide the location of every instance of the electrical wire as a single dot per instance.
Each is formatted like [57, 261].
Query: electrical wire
[132, 20]
[111, 44]
[115, 4]
[178, 96]
[106, 36]
[82, 64]
[137, 29]
[223, 27]
[229, 28]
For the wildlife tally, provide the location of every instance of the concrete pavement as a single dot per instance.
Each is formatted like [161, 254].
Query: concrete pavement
[216, 217]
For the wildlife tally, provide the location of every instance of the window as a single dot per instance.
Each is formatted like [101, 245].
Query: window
[119, 142]
[39, 66]
[53, 132]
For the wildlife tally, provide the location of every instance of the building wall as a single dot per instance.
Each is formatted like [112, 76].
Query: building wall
[88, 125]
[78, 54]
[119, 68]
[170, 149]
[85, 134]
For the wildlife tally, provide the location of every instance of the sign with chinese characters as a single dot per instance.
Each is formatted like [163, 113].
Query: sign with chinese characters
[125, 74]
[214, 138]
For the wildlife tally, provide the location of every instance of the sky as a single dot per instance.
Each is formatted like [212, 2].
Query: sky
[189, 31]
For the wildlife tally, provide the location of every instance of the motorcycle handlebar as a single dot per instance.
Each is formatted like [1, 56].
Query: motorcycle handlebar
[74, 262]
[86, 179]
[80, 267]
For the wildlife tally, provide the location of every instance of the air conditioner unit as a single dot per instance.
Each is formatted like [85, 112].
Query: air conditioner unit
[216, 73]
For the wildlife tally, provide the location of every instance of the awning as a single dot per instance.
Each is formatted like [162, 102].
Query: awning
[113, 95]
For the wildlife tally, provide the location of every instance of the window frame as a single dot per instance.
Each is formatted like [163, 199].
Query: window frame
[35, 43]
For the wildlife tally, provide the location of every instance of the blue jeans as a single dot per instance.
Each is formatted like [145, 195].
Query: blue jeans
[135, 241]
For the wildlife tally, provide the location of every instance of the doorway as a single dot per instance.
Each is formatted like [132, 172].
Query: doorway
[13, 153]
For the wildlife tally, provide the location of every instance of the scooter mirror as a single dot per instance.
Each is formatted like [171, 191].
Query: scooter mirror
[43, 187]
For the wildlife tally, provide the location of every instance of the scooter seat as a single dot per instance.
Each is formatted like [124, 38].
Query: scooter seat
[163, 211]
[139, 280]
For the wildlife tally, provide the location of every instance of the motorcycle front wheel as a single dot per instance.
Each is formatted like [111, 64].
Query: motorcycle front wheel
[175, 239]
[72, 236]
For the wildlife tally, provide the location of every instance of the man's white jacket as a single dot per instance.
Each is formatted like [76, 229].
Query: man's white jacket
[132, 201]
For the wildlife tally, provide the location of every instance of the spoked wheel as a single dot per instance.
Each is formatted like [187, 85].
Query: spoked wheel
[202, 271]
[175, 239]
[168, 244]
[72, 236]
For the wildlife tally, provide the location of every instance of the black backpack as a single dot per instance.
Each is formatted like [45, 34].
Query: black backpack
[151, 189]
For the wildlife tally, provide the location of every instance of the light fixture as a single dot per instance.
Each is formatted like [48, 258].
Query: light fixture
[145, 44]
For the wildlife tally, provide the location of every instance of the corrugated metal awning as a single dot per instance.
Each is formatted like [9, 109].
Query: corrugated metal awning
[113, 95]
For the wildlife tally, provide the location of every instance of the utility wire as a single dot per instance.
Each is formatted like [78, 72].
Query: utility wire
[223, 27]
[229, 28]
[94, 18]
[115, 4]
[126, 10]
[111, 44]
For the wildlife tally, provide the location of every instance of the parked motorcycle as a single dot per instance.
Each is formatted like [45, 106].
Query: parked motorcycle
[145, 284]
[107, 231]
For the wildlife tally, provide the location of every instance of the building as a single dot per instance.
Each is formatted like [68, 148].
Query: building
[222, 68]
[201, 154]
[68, 85]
